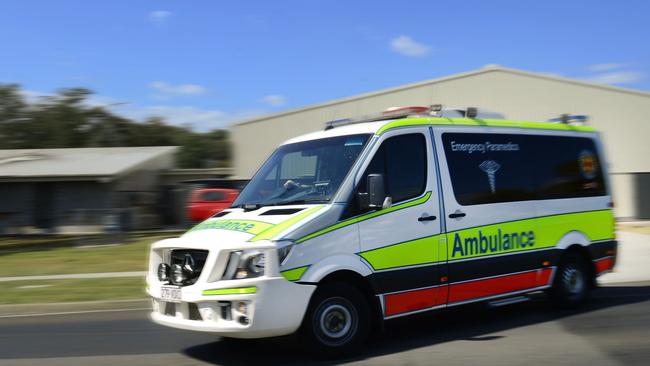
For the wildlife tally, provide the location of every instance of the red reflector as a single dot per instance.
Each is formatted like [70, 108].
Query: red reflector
[604, 264]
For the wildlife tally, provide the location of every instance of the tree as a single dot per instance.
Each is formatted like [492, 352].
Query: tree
[65, 120]
[12, 114]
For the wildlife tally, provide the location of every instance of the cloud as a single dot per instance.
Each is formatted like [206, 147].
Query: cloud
[605, 67]
[616, 77]
[408, 47]
[159, 16]
[196, 118]
[179, 89]
[274, 100]
[32, 96]
[613, 73]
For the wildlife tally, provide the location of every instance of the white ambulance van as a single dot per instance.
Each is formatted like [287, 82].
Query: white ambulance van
[412, 210]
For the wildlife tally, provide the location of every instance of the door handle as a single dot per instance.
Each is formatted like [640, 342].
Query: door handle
[457, 215]
[426, 218]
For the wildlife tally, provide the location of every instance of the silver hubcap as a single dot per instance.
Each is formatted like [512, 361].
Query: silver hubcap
[335, 321]
[573, 280]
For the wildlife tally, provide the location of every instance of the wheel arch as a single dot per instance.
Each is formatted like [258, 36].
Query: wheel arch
[351, 270]
[341, 262]
[573, 238]
[577, 242]
[363, 285]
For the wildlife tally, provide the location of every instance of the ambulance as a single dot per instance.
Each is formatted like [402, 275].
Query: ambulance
[411, 210]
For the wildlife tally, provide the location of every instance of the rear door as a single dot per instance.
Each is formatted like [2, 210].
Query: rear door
[401, 243]
[489, 211]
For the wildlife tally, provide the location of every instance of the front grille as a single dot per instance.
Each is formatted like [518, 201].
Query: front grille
[191, 261]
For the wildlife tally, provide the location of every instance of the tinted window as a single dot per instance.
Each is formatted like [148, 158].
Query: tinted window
[566, 167]
[402, 161]
[491, 168]
[488, 168]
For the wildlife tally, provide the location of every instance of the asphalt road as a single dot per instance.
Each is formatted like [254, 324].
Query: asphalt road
[613, 329]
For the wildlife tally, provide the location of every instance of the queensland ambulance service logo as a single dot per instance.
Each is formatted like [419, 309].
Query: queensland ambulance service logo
[490, 167]
[588, 164]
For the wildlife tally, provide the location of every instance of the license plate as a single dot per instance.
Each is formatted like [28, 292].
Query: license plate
[170, 293]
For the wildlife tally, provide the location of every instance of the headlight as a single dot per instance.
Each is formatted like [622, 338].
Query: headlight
[245, 264]
[178, 276]
[163, 272]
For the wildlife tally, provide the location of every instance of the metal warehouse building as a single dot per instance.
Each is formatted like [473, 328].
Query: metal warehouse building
[622, 115]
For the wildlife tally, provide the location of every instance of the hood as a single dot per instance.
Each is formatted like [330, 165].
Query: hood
[266, 223]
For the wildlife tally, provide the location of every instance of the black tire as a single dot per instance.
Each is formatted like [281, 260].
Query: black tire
[337, 321]
[572, 282]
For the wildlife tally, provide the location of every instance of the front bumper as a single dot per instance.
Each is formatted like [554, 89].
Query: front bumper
[275, 308]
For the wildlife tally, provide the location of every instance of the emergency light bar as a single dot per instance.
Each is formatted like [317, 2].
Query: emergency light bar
[390, 113]
[435, 110]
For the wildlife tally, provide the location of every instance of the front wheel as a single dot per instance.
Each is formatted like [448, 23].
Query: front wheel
[572, 282]
[337, 321]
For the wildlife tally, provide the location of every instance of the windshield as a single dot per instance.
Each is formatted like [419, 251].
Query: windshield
[304, 172]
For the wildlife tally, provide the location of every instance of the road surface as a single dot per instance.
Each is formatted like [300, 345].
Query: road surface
[613, 329]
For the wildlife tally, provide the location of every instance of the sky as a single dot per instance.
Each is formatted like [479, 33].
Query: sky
[211, 63]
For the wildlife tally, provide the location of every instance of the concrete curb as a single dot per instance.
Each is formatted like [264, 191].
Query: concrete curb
[71, 307]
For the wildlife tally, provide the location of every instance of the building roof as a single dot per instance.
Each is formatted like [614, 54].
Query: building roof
[483, 70]
[104, 163]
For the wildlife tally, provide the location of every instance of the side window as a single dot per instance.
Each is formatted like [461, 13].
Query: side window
[489, 168]
[403, 162]
[567, 167]
[492, 168]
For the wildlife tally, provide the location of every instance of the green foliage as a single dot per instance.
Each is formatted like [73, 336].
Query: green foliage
[65, 120]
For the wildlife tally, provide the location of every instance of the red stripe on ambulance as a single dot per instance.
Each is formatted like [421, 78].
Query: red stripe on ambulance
[499, 285]
[405, 302]
[409, 301]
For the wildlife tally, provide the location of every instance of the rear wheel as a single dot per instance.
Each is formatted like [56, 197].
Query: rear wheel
[337, 321]
[572, 282]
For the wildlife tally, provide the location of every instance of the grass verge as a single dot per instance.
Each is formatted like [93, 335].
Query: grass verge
[29, 292]
[82, 259]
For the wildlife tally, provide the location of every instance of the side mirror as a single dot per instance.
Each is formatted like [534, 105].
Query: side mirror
[375, 198]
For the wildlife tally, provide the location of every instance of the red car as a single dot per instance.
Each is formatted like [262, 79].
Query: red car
[206, 202]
